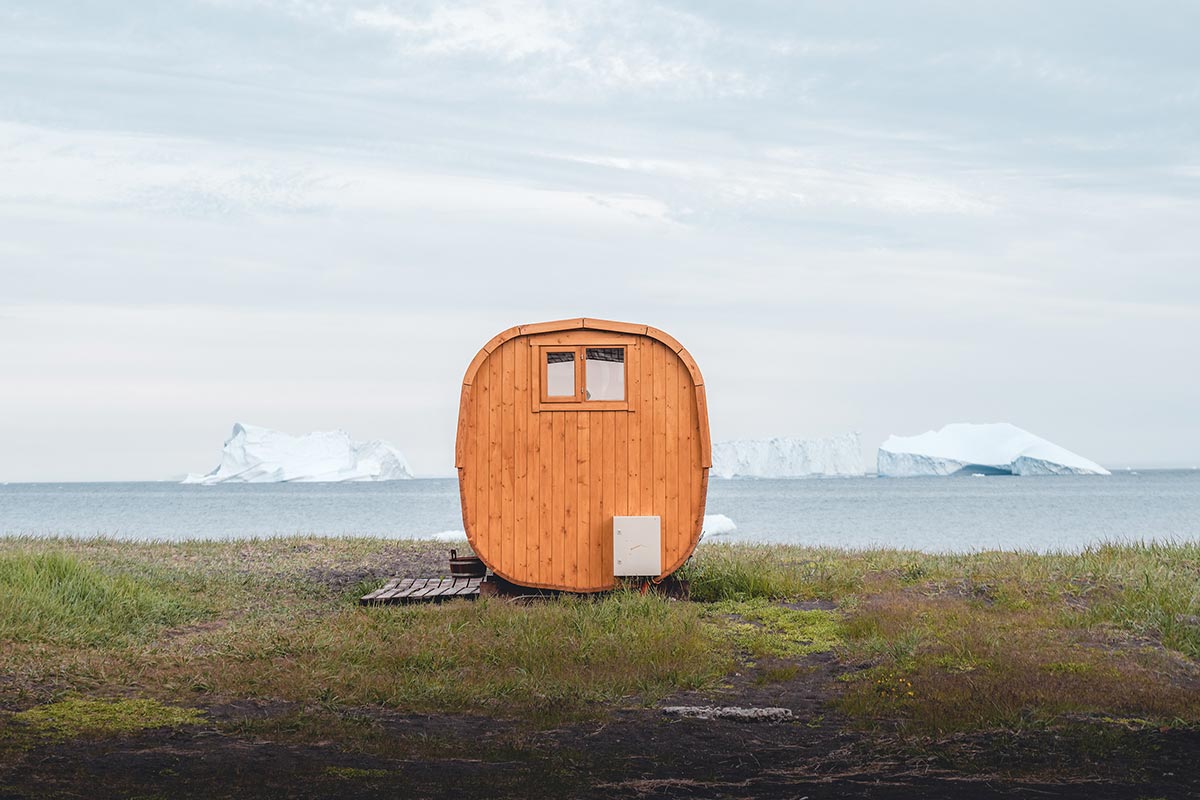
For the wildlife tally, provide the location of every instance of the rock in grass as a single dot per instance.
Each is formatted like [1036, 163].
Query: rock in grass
[736, 713]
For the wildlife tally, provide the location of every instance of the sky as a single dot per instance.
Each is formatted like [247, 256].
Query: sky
[871, 216]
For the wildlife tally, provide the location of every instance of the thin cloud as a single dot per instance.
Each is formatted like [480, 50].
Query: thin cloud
[505, 31]
[557, 50]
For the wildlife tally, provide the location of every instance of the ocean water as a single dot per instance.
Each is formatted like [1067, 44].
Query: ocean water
[933, 514]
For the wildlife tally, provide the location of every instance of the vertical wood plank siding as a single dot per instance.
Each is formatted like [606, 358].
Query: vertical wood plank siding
[540, 488]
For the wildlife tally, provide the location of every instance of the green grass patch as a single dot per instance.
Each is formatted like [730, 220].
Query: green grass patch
[1150, 589]
[1068, 667]
[763, 629]
[70, 718]
[59, 598]
[744, 572]
[562, 657]
[967, 664]
[776, 673]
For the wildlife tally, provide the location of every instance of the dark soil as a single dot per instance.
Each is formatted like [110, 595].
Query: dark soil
[337, 577]
[633, 755]
[248, 751]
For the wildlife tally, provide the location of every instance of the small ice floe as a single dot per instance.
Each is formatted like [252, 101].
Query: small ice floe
[717, 525]
[446, 536]
[735, 713]
[439, 536]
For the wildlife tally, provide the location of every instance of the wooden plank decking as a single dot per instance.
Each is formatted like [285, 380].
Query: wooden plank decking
[422, 590]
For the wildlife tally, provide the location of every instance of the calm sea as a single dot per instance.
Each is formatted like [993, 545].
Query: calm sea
[932, 514]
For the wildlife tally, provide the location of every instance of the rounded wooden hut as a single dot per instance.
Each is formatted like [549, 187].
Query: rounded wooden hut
[583, 454]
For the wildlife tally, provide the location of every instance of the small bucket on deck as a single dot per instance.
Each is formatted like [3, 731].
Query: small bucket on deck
[467, 566]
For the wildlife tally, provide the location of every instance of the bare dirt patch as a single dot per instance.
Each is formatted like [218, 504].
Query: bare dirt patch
[397, 562]
[635, 753]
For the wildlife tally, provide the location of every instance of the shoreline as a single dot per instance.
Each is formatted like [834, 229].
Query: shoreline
[1060, 514]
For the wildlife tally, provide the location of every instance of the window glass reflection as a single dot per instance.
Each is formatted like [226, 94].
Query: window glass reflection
[605, 373]
[560, 374]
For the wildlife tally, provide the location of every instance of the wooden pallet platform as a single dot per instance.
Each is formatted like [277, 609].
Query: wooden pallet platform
[422, 590]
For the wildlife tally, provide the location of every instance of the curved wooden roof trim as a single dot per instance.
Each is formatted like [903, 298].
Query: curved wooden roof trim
[664, 337]
[460, 435]
[588, 323]
[705, 436]
[616, 327]
[582, 323]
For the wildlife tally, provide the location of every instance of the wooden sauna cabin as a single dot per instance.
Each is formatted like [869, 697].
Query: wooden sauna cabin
[583, 454]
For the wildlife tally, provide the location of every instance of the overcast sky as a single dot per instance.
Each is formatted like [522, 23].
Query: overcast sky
[310, 214]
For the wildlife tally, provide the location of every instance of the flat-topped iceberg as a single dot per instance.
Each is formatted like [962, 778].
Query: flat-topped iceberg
[784, 457]
[991, 449]
[260, 455]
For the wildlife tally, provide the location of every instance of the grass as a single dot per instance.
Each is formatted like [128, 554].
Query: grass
[55, 597]
[278, 619]
[763, 629]
[551, 659]
[950, 643]
[925, 644]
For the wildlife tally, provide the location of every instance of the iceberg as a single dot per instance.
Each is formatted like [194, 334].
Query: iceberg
[784, 457]
[990, 449]
[717, 525]
[445, 536]
[260, 455]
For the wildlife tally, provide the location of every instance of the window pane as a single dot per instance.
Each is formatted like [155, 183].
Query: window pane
[560, 374]
[605, 371]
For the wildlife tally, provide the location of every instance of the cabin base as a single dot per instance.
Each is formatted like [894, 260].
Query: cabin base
[669, 586]
[436, 590]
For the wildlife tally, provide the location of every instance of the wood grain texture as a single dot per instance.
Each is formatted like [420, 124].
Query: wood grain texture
[580, 574]
[539, 489]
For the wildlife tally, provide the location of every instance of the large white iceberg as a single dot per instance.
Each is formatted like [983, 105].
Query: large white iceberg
[260, 455]
[785, 457]
[996, 448]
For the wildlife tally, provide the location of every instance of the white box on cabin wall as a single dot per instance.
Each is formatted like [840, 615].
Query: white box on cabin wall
[637, 546]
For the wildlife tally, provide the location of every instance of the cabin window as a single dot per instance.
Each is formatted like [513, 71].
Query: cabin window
[560, 374]
[604, 368]
[582, 377]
